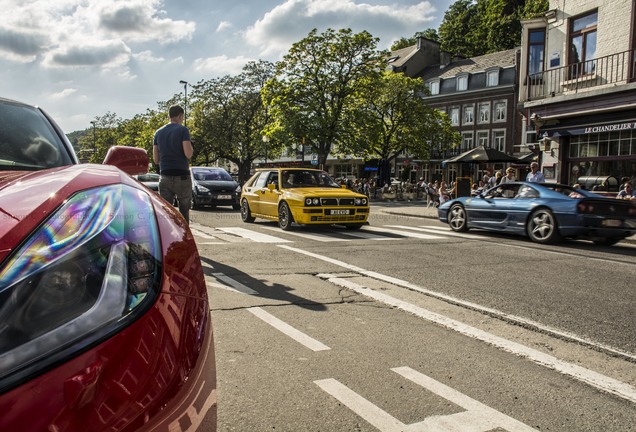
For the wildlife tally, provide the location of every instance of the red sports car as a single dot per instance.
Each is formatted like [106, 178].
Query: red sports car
[104, 315]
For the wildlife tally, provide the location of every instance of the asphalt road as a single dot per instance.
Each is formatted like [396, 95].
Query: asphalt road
[404, 325]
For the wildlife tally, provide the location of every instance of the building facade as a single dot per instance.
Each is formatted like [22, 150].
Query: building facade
[479, 95]
[577, 91]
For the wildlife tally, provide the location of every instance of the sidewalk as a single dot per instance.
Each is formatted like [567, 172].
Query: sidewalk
[415, 208]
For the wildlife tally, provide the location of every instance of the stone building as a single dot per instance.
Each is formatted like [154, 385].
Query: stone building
[577, 91]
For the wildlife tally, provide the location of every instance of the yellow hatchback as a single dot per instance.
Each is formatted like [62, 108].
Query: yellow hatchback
[302, 195]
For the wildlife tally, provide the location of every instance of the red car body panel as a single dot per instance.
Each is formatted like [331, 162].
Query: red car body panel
[158, 373]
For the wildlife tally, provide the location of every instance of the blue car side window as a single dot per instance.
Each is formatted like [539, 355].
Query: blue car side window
[527, 192]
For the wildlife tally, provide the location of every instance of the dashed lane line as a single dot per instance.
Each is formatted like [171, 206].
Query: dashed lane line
[288, 330]
[254, 235]
[316, 237]
[597, 380]
[592, 378]
[404, 233]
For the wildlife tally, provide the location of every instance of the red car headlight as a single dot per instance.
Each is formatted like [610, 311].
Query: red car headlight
[80, 276]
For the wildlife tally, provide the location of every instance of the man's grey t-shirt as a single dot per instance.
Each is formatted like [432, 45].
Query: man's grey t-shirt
[169, 139]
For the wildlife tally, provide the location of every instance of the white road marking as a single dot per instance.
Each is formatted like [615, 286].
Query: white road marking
[474, 306]
[446, 232]
[316, 237]
[254, 235]
[477, 417]
[232, 284]
[199, 233]
[595, 379]
[364, 234]
[404, 233]
[290, 331]
[362, 407]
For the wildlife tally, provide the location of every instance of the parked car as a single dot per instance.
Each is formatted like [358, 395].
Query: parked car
[545, 212]
[150, 180]
[301, 195]
[214, 186]
[104, 315]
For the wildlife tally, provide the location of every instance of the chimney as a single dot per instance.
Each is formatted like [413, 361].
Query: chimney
[419, 38]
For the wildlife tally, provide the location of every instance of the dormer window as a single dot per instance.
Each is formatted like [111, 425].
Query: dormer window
[462, 83]
[433, 86]
[492, 78]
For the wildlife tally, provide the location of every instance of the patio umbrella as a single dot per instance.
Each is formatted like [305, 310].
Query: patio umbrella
[482, 154]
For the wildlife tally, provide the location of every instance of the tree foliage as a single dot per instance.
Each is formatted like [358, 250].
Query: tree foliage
[317, 85]
[534, 8]
[392, 118]
[457, 29]
[474, 28]
[403, 42]
[229, 118]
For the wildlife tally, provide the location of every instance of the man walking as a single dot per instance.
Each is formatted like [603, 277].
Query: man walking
[171, 151]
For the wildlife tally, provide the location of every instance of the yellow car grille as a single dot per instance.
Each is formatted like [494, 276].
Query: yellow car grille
[338, 218]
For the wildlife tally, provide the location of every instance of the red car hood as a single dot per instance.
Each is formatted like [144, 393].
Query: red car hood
[29, 197]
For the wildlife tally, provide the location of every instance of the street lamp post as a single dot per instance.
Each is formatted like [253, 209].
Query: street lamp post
[185, 96]
[94, 137]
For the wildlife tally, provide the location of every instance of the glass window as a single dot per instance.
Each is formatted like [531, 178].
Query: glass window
[462, 83]
[492, 78]
[500, 111]
[536, 50]
[499, 140]
[28, 141]
[469, 114]
[482, 138]
[484, 112]
[582, 50]
[454, 116]
[434, 87]
[467, 141]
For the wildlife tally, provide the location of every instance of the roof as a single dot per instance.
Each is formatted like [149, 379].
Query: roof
[402, 55]
[502, 59]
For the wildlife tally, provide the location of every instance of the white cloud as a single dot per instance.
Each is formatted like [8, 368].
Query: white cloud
[223, 25]
[294, 19]
[220, 65]
[148, 57]
[64, 93]
[22, 45]
[82, 58]
[109, 53]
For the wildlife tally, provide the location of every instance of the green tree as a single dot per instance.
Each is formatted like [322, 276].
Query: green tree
[229, 118]
[103, 135]
[140, 130]
[474, 28]
[392, 118]
[429, 33]
[316, 84]
[457, 28]
[534, 9]
[499, 25]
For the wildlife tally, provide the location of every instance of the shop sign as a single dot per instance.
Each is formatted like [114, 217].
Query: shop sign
[616, 127]
[611, 128]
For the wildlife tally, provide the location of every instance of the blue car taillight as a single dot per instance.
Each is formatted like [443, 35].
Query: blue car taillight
[80, 275]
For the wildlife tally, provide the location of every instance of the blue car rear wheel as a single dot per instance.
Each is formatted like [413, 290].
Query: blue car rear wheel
[542, 227]
[457, 218]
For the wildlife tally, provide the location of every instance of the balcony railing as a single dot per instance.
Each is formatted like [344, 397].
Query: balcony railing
[609, 70]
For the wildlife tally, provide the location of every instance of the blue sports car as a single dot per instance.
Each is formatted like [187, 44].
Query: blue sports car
[545, 212]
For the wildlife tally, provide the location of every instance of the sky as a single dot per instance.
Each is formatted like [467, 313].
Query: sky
[82, 59]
